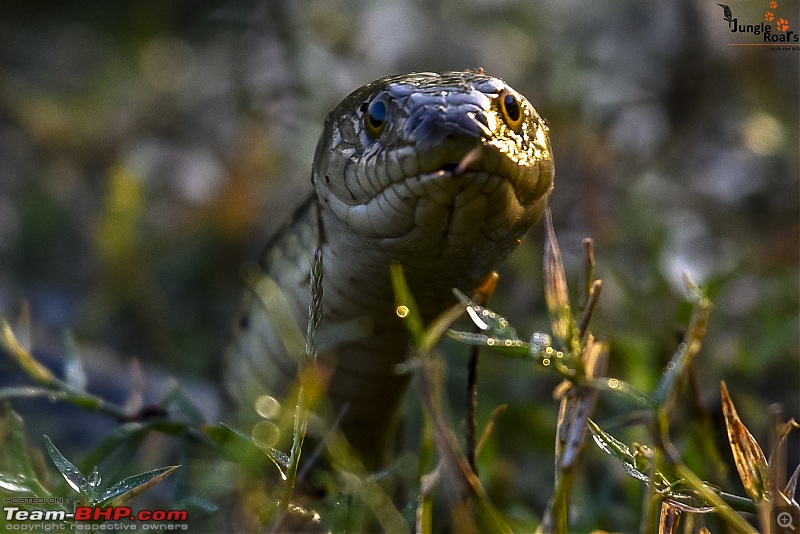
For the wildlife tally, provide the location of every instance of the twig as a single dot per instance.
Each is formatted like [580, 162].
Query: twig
[576, 407]
[588, 310]
[472, 404]
[487, 430]
[77, 398]
[734, 520]
[484, 293]
[589, 265]
[54, 387]
[577, 401]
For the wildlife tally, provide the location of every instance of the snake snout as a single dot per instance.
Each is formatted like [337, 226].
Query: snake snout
[433, 126]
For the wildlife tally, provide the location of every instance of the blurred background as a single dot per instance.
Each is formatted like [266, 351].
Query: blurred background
[148, 149]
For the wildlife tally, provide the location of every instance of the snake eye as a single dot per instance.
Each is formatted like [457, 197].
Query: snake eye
[375, 117]
[512, 112]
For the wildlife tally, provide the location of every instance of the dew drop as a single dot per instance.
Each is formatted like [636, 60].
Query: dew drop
[94, 478]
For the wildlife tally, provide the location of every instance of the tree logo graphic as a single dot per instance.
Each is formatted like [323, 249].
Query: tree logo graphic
[726, 13]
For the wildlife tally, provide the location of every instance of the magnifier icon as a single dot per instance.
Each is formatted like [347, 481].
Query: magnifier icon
[785, 520]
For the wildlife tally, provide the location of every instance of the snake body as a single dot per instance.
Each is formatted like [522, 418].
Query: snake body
[444, 172]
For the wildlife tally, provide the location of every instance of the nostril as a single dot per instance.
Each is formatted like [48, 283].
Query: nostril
[481, 118]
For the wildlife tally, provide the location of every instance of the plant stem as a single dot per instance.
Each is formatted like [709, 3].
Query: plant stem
[472, 403]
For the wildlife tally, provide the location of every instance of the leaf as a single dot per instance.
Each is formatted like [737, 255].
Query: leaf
[669, 520]
[279, 310]
[611, 445]
[74, 372]
[777, 462]
[677, 368]
[684, 507]
[486, 319]
[513, 348]
[406, 305]
[747, 454]
[487, 430]
[636, 463]
[623, 388]
[576, 409]
[555, 286]
[125, 490]
[71, 474]
[33, 368]
[177, 397]
[356, 481]
[15, 483]
[791, 485]
[17, 433]
[25, 479]
[119, 444]
[221, 433]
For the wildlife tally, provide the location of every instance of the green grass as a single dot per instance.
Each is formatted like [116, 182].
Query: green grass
[229, 478]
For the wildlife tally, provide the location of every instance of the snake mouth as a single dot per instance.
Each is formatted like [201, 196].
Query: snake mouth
[455, 168]
[470, 195]
[457, 199]
[474, 169]
[448, 168]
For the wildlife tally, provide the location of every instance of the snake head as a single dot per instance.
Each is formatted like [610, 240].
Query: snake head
[455, 165]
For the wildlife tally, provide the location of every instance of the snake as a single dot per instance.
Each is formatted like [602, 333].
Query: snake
[441, 172]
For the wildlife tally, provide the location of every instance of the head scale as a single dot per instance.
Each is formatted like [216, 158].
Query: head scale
[454, 164]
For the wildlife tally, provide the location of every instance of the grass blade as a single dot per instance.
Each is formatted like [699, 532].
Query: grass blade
[71, 474]
[747, 454]
[555, 286]
[127, 489]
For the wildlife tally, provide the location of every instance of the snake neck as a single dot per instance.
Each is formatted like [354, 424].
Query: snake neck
[442, 172]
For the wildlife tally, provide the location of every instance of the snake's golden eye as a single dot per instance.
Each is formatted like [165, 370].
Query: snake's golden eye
[512, 111]
[375, 117]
